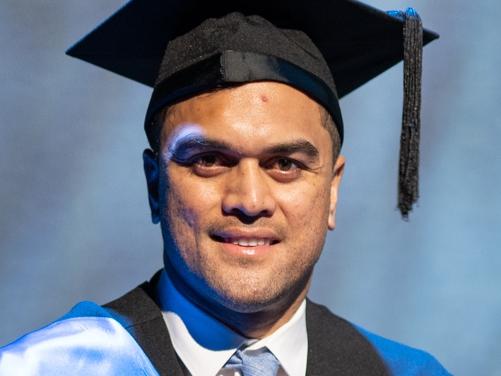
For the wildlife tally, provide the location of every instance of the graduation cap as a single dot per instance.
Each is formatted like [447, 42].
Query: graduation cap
[325, 48]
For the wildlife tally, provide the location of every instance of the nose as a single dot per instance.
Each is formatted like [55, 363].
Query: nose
[248, 192]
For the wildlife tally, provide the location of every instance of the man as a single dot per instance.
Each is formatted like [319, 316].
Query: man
[243, 176]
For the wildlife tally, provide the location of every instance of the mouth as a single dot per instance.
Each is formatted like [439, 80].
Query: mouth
[245, 241]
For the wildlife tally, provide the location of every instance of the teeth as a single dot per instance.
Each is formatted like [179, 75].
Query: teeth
[249, 242]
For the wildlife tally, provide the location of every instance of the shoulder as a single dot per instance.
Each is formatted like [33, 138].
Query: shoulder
[88, 340]
[403, 359]
[399, 359]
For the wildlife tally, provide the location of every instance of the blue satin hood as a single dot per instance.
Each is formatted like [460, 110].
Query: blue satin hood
[86, 341]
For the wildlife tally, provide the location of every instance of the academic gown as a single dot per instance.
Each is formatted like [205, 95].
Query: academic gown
[91, 339]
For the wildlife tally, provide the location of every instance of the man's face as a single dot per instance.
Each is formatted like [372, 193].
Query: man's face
[246, 192]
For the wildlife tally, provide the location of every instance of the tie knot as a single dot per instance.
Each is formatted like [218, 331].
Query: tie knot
[259, 362]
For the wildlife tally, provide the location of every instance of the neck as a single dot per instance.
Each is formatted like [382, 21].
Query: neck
[257, 324]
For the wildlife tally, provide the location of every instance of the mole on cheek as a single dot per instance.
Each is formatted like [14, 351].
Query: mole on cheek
[264, 98]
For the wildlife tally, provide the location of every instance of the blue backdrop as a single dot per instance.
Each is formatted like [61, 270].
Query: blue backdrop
[74, 221]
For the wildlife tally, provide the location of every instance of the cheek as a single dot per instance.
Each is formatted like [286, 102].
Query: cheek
[181, 221]
[306, 216]
[306, 205]
[188, 206]
[181, 212]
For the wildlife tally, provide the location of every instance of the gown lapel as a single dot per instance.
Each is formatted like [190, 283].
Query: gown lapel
[141, 316]
[335, 347]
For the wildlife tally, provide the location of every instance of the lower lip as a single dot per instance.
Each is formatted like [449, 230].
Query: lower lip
[238, 250]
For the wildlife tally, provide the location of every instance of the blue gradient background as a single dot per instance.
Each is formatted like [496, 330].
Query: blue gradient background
[74, 221]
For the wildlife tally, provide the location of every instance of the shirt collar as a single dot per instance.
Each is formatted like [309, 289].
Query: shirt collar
[204, 344]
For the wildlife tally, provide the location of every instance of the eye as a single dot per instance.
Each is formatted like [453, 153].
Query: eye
[208, 160]
[209, 164]
[284, 169]
[285, 164]
[201, 160]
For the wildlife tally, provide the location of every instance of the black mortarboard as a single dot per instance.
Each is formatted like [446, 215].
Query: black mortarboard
[326, 48]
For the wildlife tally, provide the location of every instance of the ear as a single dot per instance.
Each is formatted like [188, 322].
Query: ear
[337, 175]
[152, 173]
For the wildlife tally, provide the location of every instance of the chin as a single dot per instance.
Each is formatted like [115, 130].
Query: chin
[248, 304]
[251, 295]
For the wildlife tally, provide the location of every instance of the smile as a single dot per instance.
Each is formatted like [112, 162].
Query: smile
[248, 242]
[246, 238]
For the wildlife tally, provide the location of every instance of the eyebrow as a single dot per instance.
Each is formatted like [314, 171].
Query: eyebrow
[296, 146]
[196, 142]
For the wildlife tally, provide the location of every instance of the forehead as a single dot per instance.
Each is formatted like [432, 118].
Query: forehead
[249, 115]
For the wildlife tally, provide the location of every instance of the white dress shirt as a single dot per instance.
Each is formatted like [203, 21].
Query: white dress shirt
[204, 344]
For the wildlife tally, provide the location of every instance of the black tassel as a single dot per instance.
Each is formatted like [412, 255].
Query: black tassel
[408, 175]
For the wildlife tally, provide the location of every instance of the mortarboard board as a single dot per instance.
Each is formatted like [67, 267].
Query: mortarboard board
[326, 48]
